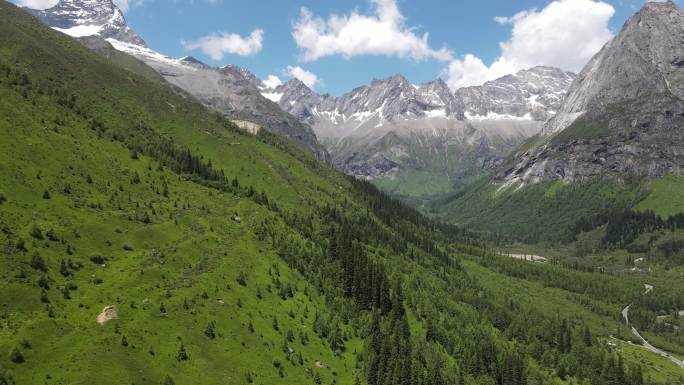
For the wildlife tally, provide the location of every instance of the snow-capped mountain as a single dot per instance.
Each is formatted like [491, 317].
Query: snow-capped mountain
[230, 90]
[624, 114]
[80, 18]
[535, 94]
[392, 127]
[531, 95]
[382, 102]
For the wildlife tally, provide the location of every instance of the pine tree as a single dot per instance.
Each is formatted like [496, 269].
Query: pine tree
[182, 354]
[209, 330]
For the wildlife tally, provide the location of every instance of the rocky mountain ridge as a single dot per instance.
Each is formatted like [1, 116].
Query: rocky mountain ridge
[391, 128]
[230, 89]
[624, 114]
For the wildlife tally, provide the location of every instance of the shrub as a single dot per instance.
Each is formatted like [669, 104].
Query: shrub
[36, 232]
[38, 263]
[64, 268]
[16, 356]
[242, 279]
[20, 245]
[51, 235]
[98, 259]
[3, 199]
[127, 247]
[46, 194]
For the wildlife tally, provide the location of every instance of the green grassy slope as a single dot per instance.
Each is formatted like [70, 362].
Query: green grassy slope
[264, 265]
[545, 211]
[191, 251]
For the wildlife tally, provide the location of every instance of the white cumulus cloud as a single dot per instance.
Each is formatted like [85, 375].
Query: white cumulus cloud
[272, 81]
[564, 34]
[36, 4]
[307, 77]
[218, 44]
[382, 33]
[125, 5]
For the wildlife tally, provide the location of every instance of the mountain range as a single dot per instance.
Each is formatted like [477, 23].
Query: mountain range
[413, 140]
[423, 139]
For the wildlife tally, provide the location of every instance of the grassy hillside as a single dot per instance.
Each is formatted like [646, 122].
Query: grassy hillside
[545, 211]
[236, 259]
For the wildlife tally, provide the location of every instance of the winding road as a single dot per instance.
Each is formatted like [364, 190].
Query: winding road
[625, 311]
[646, 344]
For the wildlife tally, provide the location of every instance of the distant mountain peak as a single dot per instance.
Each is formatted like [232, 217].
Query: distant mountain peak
[531, 94]
[190, 59]
[81, 18]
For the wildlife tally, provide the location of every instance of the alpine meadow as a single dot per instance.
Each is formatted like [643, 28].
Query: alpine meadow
[167, 221]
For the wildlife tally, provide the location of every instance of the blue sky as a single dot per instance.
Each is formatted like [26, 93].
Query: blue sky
[455, 28]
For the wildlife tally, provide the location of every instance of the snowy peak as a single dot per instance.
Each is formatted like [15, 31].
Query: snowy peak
[239, 72]
[80, 18]
[534, 94]
[531, 95]
[193, 61]
[437, 95]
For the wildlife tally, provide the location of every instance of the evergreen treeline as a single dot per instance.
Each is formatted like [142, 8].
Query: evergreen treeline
[624, 226]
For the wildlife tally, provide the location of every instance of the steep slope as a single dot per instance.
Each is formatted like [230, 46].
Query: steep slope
[624, 112]
[228, 90]
[618, 136]
[421, 140]
[233, 258]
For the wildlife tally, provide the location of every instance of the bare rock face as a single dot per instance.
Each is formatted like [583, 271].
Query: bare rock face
[537, 92]
[624, 114]
[89, 17]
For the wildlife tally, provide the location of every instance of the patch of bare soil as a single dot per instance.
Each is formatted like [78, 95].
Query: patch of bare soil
[108, 313]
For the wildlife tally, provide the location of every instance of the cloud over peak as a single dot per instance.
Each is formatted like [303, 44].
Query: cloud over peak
[564, 34]
[217, 45]
[307, 77]
[382, 33]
